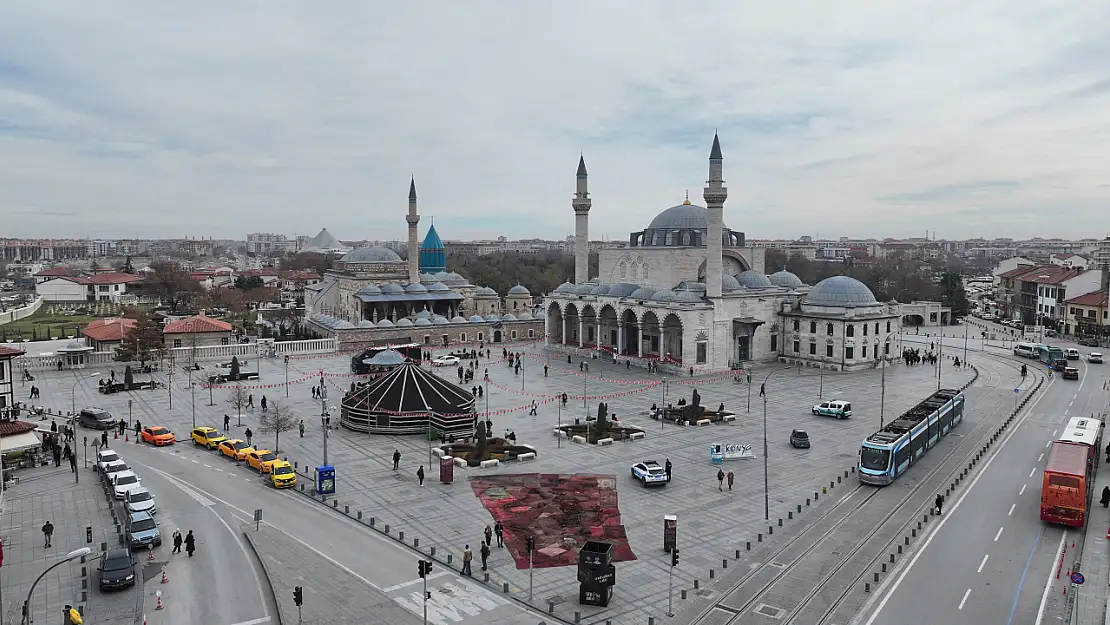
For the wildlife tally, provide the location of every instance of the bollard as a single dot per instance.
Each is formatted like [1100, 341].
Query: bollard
[789, 514]
[485, 577]
[913, 533]
[853, 469]
[551, 607]
[924, 518]
[712, 574]
[683, 594]
[867, 587]
[892, 558]
[387, 528]
[737, 556]
[876, 578]
[799, 508]
[372, 521]
[907, 538]
[845, 474]
[433, 554]
[346, 509]
[884, 567]
[770, 530]
[302, 488]
[104, 546]
[919, 525]
[899, 549]
[416, 542]
[759, 538]
[831, 484]
[577, 617]
[505, 587]
[651, 621]
[749, 544]
[295, 467]
[724, 563]
[696, 584]
[807, 502]
[814, 496]
[449, 558]
[359, 515]
[824, 490]
[335, 503]
[838, 479]
[401, 536]
[780, 522]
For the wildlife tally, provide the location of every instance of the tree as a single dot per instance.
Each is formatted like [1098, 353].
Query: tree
[952, 293]
[238, 396]
[276, 420]
[172, 283]
[248, 283]
[284, 320]
[313, 261]
[143, 342]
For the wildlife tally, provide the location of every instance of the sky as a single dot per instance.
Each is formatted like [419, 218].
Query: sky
[852, 118]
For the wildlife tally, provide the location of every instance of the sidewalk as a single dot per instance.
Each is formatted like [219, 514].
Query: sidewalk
[49, 493]
[1089, 607]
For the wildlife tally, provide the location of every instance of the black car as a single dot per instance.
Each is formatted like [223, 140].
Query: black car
[799, 439]
[1088, 342]
[117, 569]
[1071, 373]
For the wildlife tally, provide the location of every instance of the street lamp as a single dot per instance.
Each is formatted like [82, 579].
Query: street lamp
[287, 376]
[887, 359]
[324, 419]
[193, 397]
[73, 395]
[73, 555]
[766, 481]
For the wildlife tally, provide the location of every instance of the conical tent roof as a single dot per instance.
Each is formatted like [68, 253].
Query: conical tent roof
[386, 358]
[325, 241]
[410, 389]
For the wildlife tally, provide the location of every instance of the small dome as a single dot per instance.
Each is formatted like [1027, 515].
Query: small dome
[454, 278]
[427, 277]
[438, 287]
[622, 290]
[458, 319]
[371, 255]
[442, 276]
[840, 291]
[786, 279]
[642, 293]
[519, 290]
[601, 289]
[369, 289]
[423, 314]
[403, 322]
[493, 318]
[584, 288]
[343, 324]
[753, 279]
[729, 283]
[422, 322]
[664, 296]
[366, 323]
[508, 317]
[385, 323]
[477, 319]
[565, 287]
[485, 291]
[416, 288]
[688, 296]
[525, 316]
[440, 320]
[392, 289]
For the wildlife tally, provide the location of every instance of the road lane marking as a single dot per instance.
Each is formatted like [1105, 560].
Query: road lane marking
[1054, 432]
[1048, 443]
[413, 582]
[998, 534]
[964, 600]
[1033, 471]
[207, 466]
[983, 563]
[1012, 506]
[1040, 456]
[1022, 491]
[1048, 583]
[257, 621]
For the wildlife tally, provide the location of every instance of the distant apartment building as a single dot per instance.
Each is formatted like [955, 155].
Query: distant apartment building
[266, 244]
[38, 250]
[1071, 261]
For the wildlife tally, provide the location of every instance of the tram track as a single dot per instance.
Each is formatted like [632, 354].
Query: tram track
[752, 599]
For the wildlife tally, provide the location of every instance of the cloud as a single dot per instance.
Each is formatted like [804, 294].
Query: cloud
[840, 119]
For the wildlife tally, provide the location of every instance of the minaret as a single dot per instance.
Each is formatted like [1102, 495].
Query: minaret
[714, 195]
[581, 205]
[414, 246]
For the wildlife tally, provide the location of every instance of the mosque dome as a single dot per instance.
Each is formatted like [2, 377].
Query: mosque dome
[371, 255]
[438, 287]
[440, 320]
[786, 279]
[565, 287]
[454, 278]
[622, 290]
[422, 322]
[423, 314]
[392, 289]
[601, 289]
[753, 279]
[642, 293]
[519, 290]
[508, 317]
[584, 288]
[729, 283]
[689, 296]
[403, 323]
[427, 277]
[416, 288]
[366, 323]
[485, 291]
[458, 319]
[369, 289]
[684, 216]
[840, 291]
[433, 256]
[525, 316]
[493, 318]
[477, 319]
[385, 323]
[664, 296]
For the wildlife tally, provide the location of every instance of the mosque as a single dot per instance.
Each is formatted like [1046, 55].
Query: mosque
[688, 292]
[374, 297]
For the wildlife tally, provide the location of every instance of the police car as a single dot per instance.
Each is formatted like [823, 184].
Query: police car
[649, 472]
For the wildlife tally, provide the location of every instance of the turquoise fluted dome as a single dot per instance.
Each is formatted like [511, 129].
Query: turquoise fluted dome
[433, 256]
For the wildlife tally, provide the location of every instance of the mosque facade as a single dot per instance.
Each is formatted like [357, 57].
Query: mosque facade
[688, 292]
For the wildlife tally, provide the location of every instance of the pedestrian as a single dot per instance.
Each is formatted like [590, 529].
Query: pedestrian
[1105, 496]
[488, 533]
[262, 403]
[939, 503]
[72, 462]
[720, 479]
[248, 434]
[420, 474]
[545, 371]
[484, 551]
[499, 531]
[396, 459]
[468, 556]
[53, 426]
[48, 532]
[176, 541]
[227, 422]
[190, 543]
[122, 426]
[72, 617]
[57, 456]
[731, 477]
[301, 426]
[313, 392]
[532, 412]
[138, 428]
[667, 467]
[104, 439]
[250, 400]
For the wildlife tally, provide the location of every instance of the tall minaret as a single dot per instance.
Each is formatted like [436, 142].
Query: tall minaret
[414, 246]
[581, 205]
[714, 195]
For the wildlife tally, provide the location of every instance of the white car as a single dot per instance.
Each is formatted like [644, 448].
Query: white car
[139, 500]
[105, 456]
[124, 481]
[650, 473]
[446, 361]
[115, 466]
[1094, 357]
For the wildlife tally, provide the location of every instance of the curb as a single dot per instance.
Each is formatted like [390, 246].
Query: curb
[269, 579]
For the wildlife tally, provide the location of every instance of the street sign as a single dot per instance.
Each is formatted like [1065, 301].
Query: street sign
[1017, 390]
[1077, 578]
[257, 518]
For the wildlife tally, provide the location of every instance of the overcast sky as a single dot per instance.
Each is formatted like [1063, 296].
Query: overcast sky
[217, 118]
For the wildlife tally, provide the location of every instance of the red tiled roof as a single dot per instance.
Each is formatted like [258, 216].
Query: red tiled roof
[1098, 299]
[112, 278]
[1020, 271]
[194, 325]
[12, 428]
[108, 329]
[55, 272]
[10, 352]
[1052, 275]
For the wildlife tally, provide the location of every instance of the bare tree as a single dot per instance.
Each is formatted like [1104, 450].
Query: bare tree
[238, 398]
[172, 283]
[276, 420]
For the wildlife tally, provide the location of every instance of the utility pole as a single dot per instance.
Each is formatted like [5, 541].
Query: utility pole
[670, 579]
[530, 544]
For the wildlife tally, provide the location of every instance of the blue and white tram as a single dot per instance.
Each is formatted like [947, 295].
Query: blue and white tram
[888, 453]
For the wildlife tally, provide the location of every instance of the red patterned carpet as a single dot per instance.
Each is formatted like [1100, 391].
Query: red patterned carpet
[562, 512]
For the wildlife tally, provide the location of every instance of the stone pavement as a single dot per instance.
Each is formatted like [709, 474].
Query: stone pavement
[711, 524]
[48, 493]
[1090, 600]
[330, 594]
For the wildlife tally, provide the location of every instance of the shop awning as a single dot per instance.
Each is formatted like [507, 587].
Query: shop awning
[19, 442]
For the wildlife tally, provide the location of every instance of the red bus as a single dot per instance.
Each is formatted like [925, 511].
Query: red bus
[1065, 490]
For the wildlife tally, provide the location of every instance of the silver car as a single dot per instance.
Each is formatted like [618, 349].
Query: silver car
[139, 500]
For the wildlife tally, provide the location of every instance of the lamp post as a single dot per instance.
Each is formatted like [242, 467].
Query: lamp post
[559, 423]
[886, 359]
[287, 376]
[965, 341]
[169, 385]
[193, 397]
[73, 395]
[324, 424]
[766, 479]
[73, 555]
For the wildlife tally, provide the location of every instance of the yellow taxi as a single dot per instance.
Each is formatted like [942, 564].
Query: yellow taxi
[158, 436]
[235, 449]
[282, 474]
[261, 459]
[209, 437]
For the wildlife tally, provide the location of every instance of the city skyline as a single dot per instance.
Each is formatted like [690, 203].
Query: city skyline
[961, 120]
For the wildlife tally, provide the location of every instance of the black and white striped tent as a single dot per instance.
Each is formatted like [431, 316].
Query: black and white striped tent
[408, 400]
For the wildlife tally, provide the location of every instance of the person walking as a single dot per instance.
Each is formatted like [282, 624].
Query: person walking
[730, 477]
[489, 534]
[48, 532]
[1105, 496]
[176, 541]
[545, 371]
[53, 426]
[468, 556]
[138, 428]
[57, 456]
[227, 422]
[720, 479]
[420, 474]
[532, 412]
[104, 439]
[396, 459]
[248, 434]
[939, 503]
[190, 543]
[484, 552]
[262, 403]
[72, 462]
[499, 532]
[667, 468]
[301, 427]
[250, 400]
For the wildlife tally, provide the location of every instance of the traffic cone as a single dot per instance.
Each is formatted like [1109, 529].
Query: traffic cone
[127, 438]
[144, 618]
[159, 606]
[165, 579]
[150, 553]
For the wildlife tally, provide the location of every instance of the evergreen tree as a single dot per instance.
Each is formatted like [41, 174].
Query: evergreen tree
[141, 343]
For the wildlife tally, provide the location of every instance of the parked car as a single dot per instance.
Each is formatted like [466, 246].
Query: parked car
[139, 500]
[1088, 342]
[123, 481]
[1094, 358]
[142, 530]
[96, 418]
[649, 473]
[158, 436]
[1071, 373]
[210, 437]
[282, 475]
[105, 456]
[1072, 353]
[117, 569]
[836, 408]
[799, 439]
[445, 361]
[115, 466]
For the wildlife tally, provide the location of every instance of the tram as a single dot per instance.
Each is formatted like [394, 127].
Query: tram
[888, 453]
[1052, 356]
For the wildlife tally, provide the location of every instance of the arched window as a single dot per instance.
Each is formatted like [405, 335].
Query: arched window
[624, 270]
[829, 329]
[865, 331]
[797, 324]
[645, 272]
[849, 331]
[813, 327]
[686, 238]
[669, 240]
[635, 272]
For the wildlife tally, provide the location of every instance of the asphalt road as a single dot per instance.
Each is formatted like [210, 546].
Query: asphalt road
[233, 493]
[991, 557]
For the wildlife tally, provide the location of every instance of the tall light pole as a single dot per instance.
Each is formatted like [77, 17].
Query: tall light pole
[886, 360]
[965, 341]
[663, 406]
[73, 395]
[324, 425]
[766, 479]
[193, 397]
[287, 376]
[73, 555]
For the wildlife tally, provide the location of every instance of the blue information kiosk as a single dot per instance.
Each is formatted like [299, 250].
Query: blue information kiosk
[325, 480]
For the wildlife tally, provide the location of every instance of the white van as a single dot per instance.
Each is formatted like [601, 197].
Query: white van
[1072, 353]
[836, 408]
[1026, 350]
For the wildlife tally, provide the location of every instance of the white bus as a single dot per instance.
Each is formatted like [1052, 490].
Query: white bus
[1026, 350]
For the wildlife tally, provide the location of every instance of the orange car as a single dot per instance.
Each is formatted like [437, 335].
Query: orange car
[235, 449]
[158, 435]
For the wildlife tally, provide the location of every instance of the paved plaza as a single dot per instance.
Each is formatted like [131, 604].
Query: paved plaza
[711, 523]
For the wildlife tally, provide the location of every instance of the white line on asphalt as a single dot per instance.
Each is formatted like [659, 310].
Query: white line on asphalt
[1022, 491]
[264, 619]
[1048, 584]
[964, 600]
[998, 534]
[194, 461]
[219, 470]
[1040, 456]
[983, 563]
[1054, 432]
[413, 582]
[1011, 512]
[1070, 403]
[1048, 443]
[207, 466]
[1033, 471]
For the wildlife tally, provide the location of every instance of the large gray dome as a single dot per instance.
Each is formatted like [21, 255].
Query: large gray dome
[840, 291]
[753, 279]
[786, 279]
[371, 255]
[565, 287]
[519, 290]
[688, 216]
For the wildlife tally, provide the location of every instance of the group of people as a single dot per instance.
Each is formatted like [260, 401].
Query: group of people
[484, 550]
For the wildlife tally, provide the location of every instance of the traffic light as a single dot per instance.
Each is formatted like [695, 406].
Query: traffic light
[88, 534]
[530, 544]
[424, 567]
[298, 596]
[674, 556]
